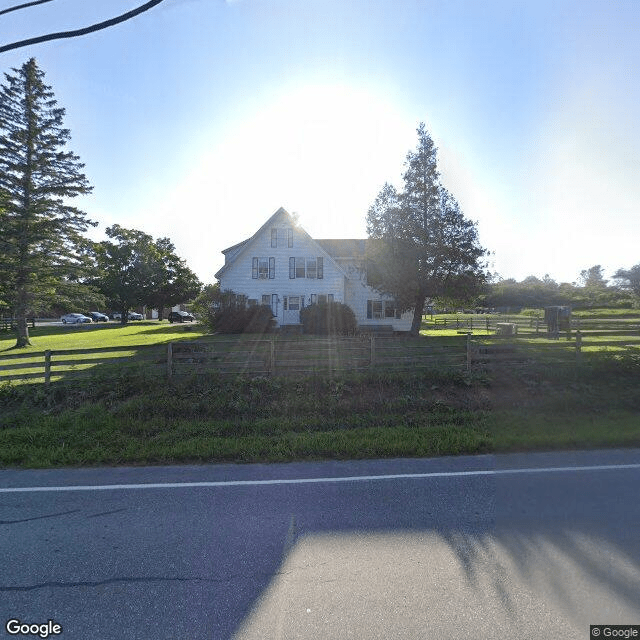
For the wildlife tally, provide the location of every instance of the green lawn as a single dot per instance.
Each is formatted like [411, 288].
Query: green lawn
[110, 334]
[130, 415]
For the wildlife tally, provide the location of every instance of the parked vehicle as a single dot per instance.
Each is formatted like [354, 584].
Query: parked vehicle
[132, 315]
[96, 316]
[180, 316]
[74, 318]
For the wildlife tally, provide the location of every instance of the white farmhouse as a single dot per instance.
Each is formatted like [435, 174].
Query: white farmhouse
[283, 267]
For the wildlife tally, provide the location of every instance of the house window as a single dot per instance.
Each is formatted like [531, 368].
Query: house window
[314, 298]
[306, 268]
[294, 303]
[322, 299]
[330, 297]
[300, 271]
[374, 309]
[281, 237]
[378, 309]
[311, 268]
[252, 302]
[263, 268]
[266, 299]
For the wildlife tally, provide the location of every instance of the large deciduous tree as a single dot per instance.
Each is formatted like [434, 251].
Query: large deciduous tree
[41, 241]
[424, 246]
[629, 280]
[134, 270]
[174, 281]
[126, 266]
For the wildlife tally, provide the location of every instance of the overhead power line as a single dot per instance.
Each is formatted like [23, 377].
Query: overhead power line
[78, 32]
[23, 6]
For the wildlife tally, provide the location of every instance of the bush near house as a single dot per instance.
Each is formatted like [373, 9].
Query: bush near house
[331, 318]
[256, 319]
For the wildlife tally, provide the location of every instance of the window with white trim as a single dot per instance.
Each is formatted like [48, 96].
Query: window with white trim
[302, 267]
[379, 309]
[263, 268]
[281, 237]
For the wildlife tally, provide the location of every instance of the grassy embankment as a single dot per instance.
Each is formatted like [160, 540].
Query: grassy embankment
[132, 416]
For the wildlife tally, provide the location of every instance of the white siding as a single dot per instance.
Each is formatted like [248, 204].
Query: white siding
[344, 278]
[239, 277]
[358, 293]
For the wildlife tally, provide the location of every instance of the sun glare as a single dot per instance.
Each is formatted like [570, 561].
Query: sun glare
[322, 151]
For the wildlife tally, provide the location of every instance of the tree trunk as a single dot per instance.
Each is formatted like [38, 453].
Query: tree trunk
[417, 315]
[22, 333]
[22, 328]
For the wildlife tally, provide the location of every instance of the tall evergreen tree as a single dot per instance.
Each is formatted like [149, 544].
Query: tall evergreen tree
[41, 242]
[426, 247]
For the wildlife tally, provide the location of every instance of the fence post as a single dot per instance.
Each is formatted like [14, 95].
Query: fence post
[169, 360]
[47, 367]
[487, 326]
[578, 346]
[468, 353]
[272, 356]
[372, 342]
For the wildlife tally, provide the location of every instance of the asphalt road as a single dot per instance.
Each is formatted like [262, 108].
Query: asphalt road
[519, 546]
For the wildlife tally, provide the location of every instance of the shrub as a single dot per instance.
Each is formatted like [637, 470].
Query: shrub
[228, 312]
[256, 319]
[333, 318]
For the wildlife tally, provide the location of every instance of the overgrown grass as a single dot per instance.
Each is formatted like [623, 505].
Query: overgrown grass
[128, 417]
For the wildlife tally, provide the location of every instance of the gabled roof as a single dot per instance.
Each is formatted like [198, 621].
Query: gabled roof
[235, 246]
[245, 244]
[338, 248]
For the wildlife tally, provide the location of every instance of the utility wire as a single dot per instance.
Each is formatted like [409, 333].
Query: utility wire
[23, 6]
[79, 32]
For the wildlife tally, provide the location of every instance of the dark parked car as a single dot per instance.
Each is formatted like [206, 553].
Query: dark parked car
[96, 316]
[180, 316]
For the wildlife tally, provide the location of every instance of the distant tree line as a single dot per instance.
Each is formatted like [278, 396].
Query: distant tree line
[591, 290]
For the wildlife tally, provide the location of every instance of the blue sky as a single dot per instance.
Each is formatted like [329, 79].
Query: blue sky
[199, 118]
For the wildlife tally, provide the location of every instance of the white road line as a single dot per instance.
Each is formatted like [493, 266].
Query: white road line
[282, 481]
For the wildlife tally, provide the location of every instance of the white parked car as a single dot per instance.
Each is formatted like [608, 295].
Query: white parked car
[74, 318]
[132, 315]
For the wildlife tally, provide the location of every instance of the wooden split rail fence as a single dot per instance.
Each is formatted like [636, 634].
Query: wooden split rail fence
[276, 356]
[316, 356]
[50, 365]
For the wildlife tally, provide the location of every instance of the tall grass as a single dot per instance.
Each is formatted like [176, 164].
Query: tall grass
[128, 417]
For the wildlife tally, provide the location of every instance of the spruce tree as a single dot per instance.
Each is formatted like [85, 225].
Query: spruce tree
[41, 242]
[423, 247]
